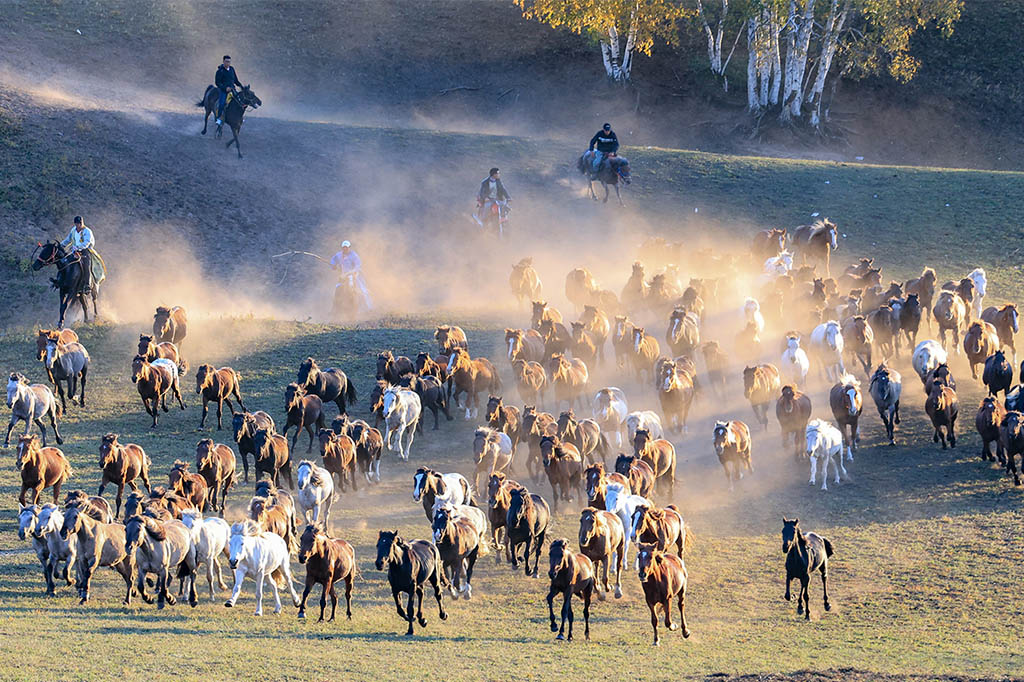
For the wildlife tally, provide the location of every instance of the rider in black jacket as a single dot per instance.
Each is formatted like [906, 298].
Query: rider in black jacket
[606, 142]
[225, 80]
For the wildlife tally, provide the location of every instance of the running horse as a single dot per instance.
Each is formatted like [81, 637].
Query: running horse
[816, 242]
[70, 280]
[612, 169]
[234, 110]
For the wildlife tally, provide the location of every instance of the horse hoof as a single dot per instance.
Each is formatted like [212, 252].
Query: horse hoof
[673, 627]
[560, 638]
[618, 593]
[423, 622]
[554, 628]
[228, 604]
[828, 607]
[686, 633]
[656, 643]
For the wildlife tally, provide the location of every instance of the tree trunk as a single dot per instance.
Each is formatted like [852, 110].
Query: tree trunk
[627, 54]
[776, 57]
[830, 41]
[798, 44]
[610, 55]
[753, 104]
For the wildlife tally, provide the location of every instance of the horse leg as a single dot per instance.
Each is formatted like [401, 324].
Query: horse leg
[238, 145]
[220, 412]
[682, 613]
[348, 596]
[618, 195]
[605, 200]
[590, 186]
[323, 599]
[529, 540]
[334, 601]
[551, 608]
[824, 585]
[654, 622]
[789, 579]
[206, 120]
[566, 612]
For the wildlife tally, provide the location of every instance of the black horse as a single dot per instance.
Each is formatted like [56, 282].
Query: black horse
[331, 385]
[70, 280]
[234, 110]
[612, 169]
[805, 554]
[410, 566]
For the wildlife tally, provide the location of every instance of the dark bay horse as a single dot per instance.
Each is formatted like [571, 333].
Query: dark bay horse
[410, 565]
[234, 110]
[70, 279]
[805, 554]
[612, 169]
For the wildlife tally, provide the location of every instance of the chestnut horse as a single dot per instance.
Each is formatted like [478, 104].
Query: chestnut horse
[980, 341]
[215, 462]
[564, 467]
[531, 380]
[303, 412]
[660, 455]
[585, 435]
[793, 410]
[153, 349]
[450, 337]
[768, 243]
[987, 421]
[524, 281]
[218, 385]
[569, 379]
[638, 474]
[471, 377]
[154, 381]
[950, 312]
[663, 527]
[504, 418]
[601, 538]
[271, 455]
[190, 486]
[859, 338]
[541, 312]
[847, 403]
[40, 468]
[121, 465]
[338, 451]
[499, 488]
[170, 324]
[760, 384]
[1006, 322]
[943, 407]
[924, 287]
[732, 445]
[596, 322]
[663, 577]
[526, 525]
[595, 483]
[570, 574]
[535, 426]
[644, 352]
[675, 393]
[524, 344]
[328, 561]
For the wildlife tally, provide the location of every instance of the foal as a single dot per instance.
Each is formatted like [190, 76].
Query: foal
[328, 560]
[663, 576]
[805, 554]
[571, 574]
[410, 565]
[218, 385]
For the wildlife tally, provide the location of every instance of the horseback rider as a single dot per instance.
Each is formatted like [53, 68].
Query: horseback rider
[606, 142]
[81, 241]
[226, 79]
[492, 191]
[351, 266]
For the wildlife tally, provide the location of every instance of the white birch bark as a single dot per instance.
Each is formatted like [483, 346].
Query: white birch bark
[776, 58]
[610, 54]
[753, 103]
[830, 41]
[798, 44]
[627, 53]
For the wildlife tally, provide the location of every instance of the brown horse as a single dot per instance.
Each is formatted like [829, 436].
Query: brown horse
[805, 554]
[535, 426]
[660, 455]
[732, 445]
[564, 467]
[154, 381]
[168, 500]
[663, 577]
[924, 287]
[569, 379]
[274, 516]
[121, 465]
[859, 338]
[634, 293]
[163, 349]
[885, 326]
[40, 468]
[596, 322]
[980, 341]
[1005, 320]
[435, 367]
[244, 426]
[218, 385]
[760, 384]
[541, 312]
[990, 415]
[663, 527]
[488, 454]
[524, 281]
[391, 369]
[65, 336]
[1011, 438]
[95, 506]
[526, 524]
[847, 403]
[584, 345]
[471, 377]
[584, 434]
[338, 451]
[328, 561]
[950, 312]
[504, 418]
[170, 324]
[768, 243]
[639, 474]
[499, 488]
[524, 344]
[717, 363]
[595, 483]
[942, 408]
[622, 340]
[675, 393]
[303, 412]
[683, 333]
[579, 286]
[557, 339]
[271, 455]
[793, 410]
[816, 242]
[570, 574]
[459, 545]
[190, 486]
[450, 337]
[601, 537]
[644, 352]
[215, 462]
[531, 379]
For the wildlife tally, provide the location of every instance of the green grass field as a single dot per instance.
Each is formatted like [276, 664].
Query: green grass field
[925, 579]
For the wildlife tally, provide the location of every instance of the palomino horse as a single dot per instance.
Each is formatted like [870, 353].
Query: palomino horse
[411, 565]
[980, 341]
[564, 467]
[40, 468]
[470, 378]
[303, 412]
[526, 524]
[30, 403]
[121, 465]
[331, 385]
[215, 462]
[612, 169]
[732, 445]
[328, 561]
[531, 379]
[815, 242]
[793, 410]
[459, 544]
[492, 451]
[67, 363]
[244, 425]
[70, 279]
[760, 384]
[987, 421]
[568, 378]
[824, 445]
[262, 556]
[942, 407]
[155, 380]
[950, 312]
[603, 540]
[886, 388]
[847, 403]
[571, 574]
[1006, 322]
[338, 452]
[663, 577]
[660, 455]
[234, 112]
[170, 325]
[524, 281]
[218, 385]
[805, 554]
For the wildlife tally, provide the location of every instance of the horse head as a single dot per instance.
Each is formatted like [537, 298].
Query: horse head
[790, 533]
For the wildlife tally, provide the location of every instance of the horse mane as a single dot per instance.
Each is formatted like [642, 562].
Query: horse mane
[314, 474]
[154, 529]
[849, 380]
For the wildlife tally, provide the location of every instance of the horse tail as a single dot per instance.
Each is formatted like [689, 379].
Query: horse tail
[202, 102]
[66, 472]
[439, 569]
[58, 411]
[277, 575]
[603, 447]
[293, 545]
[350, 392]
[688, 539]
[828, 547]
[467, 493]
[182, 367]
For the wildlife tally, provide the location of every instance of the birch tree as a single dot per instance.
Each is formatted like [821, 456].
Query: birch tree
[714, 26]
[622, 28]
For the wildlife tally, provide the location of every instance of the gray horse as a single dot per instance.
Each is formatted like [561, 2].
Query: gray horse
[612, 169]
[886, 389]
[67, 362]
[31, 404]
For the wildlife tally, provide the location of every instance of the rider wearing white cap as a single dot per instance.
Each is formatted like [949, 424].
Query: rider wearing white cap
[350, 265]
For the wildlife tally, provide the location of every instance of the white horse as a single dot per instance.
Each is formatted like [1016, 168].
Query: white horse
[210, 537]
[779, 265]
[28, 520]
[401, 411]
[619, 501]
[610, 411]
[456, 489]
[794, 365]
[51, 520]
[827, 342]
[980, 284]
[30, 403]
[645, 419]
[261, 556]
[927, 356]
[315, 492]
[752, 314]
[824, 445]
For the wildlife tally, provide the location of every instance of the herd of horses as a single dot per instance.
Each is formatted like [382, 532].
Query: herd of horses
[616, 468]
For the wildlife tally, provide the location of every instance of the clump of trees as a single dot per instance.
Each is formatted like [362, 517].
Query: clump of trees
[795, 49]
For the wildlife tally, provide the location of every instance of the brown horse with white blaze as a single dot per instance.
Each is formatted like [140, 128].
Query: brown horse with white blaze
[732, 445]
[847, 404]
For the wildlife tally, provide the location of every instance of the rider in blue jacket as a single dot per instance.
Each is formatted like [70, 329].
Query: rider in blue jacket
[225, 80]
